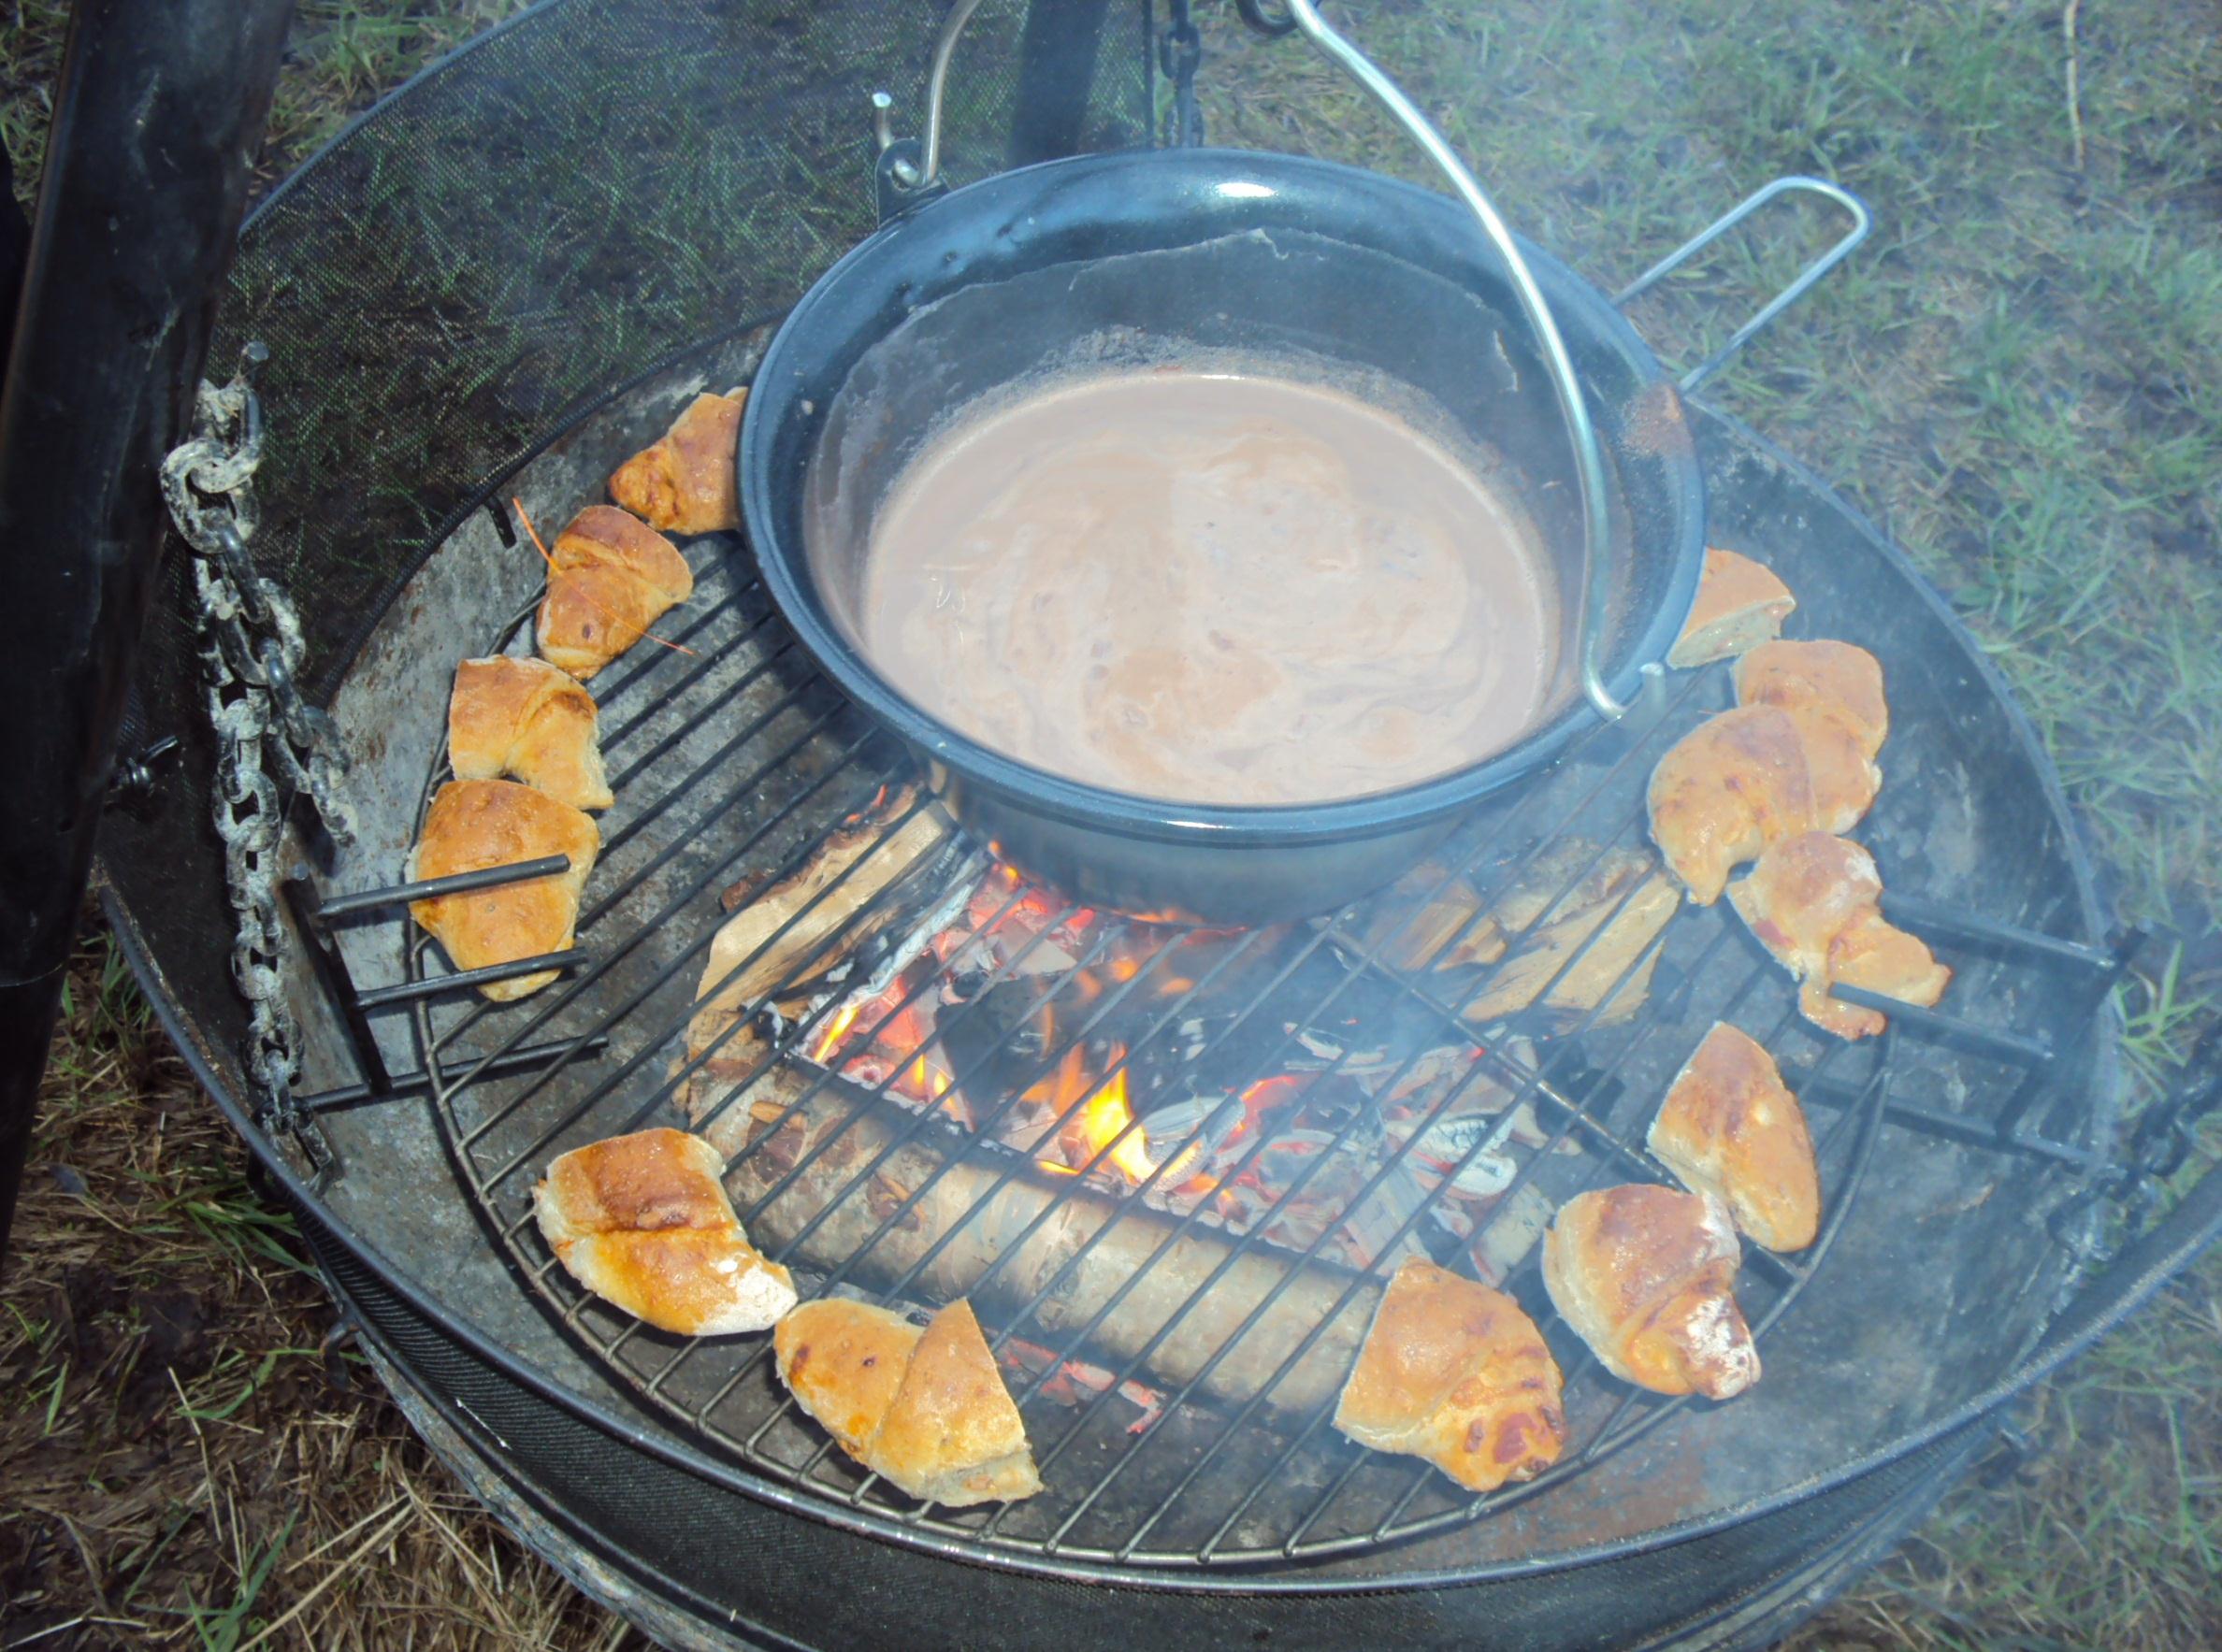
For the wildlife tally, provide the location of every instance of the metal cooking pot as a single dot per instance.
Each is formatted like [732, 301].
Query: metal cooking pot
[1298, 265]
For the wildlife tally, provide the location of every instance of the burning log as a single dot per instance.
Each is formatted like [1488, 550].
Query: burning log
[974, 1229]
[1457, 928]
[754, 932]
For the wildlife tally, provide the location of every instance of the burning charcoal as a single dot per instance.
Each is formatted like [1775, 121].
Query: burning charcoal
[1446, 1144]
[998, 1041]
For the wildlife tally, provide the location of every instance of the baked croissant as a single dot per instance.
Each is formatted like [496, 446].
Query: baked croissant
[526, 718]
[1646, 1276]
[1815, 901]
[1454, 1372]
[687, 482]
[1725, 791]
[643, 1221]
[1730, 1128]
[476, 823]
[926, 1410]
[1739, 604]
[611, 579]
[1839, 678]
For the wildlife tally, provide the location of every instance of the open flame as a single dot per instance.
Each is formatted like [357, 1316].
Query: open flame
[1104, 1114]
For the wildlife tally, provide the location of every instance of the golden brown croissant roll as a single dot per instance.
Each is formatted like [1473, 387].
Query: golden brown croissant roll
[476, 823]
[1725, 791]
[1844, 778]
[611, 579]
[1454, 1372]
[1840, 678]
[927, 1410]
[643, 1221]
[1815, 902]
[1740, 604]
[1646, 1276]
[687, 482]
[528, 718]
[1731, 1127]
[843, 1362]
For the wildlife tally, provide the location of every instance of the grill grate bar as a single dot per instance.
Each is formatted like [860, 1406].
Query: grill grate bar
[1498, 856]
[670, 972]
[1531, 1086]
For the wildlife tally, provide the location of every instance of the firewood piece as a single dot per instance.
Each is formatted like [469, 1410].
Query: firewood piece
[1626, 896]
[981, 1226]
[870, 866]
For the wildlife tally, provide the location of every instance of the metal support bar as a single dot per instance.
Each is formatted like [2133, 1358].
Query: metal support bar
[491, 877]
[1934, 917]
[156, 119]
[432, 986]
[413, 1083]
[2010, 1046]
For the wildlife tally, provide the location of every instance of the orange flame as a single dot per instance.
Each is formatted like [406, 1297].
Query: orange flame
[829, 1041]
[1102, 1116]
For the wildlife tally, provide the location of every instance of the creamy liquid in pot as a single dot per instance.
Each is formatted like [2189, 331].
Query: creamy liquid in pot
[1208, 589]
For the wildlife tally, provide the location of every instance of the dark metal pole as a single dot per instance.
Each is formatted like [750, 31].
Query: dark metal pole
[1057, 61]
[161, 105]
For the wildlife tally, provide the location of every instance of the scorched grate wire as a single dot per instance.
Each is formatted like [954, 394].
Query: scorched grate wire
[1192, 1480]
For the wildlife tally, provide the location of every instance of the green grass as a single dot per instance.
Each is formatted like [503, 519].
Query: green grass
[2020, 378]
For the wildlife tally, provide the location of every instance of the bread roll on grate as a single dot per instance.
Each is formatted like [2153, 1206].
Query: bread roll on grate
[1815, 901]
[476, 823]
[1739, 604]
[1839, 678]
[1730, 1128]
[1453, 1372]
[612, 578]
[689, 481]
[1646, 1276]
[926, 1410]
[643, 1221]
[1725, 791]
[528, 718]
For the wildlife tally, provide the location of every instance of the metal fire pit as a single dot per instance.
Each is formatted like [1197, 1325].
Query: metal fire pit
[1967, 1157]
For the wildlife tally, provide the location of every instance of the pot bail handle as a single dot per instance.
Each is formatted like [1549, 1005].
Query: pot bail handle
[1589, 460]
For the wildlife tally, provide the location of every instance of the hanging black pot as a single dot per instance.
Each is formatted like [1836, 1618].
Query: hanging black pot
[1284, 262]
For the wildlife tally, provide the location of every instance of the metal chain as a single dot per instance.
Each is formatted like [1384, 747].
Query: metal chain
[270, 741]
[1181, 51]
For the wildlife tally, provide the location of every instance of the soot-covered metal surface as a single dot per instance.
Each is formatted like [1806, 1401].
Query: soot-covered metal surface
[1941, 1272]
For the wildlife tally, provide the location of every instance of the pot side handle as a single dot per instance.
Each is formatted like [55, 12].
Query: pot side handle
[1862, 222]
